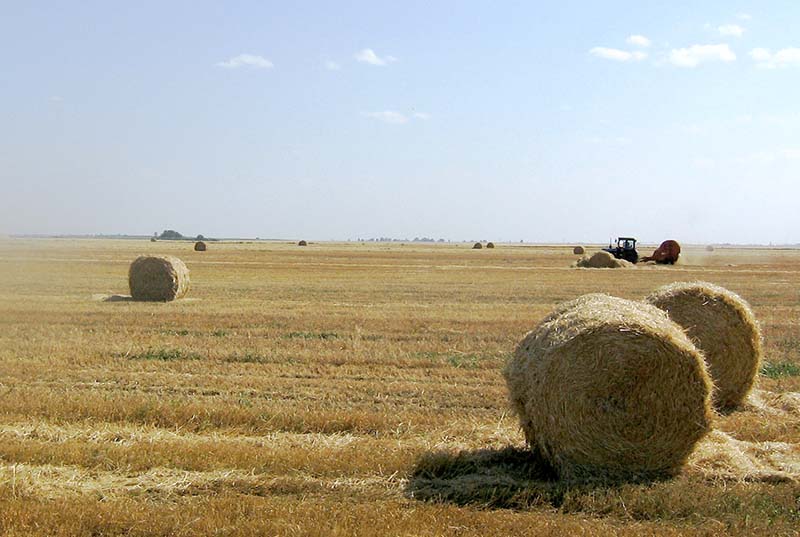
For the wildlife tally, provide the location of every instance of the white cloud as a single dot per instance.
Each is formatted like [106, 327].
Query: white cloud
[730, 30]
[617, 54]
[247, 60]
[368, 55]
[697, 54]
[761, 54]
[786, 57]
[744, 16]
[638, 40]
[389, 116]
[422, 115]
[332, 66]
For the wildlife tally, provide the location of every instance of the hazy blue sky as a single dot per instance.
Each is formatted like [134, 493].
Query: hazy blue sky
[465, 120]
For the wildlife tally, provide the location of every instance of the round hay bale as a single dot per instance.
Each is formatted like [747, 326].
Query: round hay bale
[199, 246]
[722, 325]
[477, 246]
[302, 243]
[603, 259]
[610, 388]
[158, 278]
[579, 250]
[490, 245]
[153, 239]
[709, 248]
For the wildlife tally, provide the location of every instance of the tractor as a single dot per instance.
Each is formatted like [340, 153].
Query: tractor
[625, 249]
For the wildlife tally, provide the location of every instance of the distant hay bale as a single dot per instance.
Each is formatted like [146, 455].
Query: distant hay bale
[490, 245]
[709, 248]
[199, 246]
[610, 388]
[603, 259]
[579, 250]
[153, 239]
[158, 278]
[477, 246]
[302, 243]
[722, 325]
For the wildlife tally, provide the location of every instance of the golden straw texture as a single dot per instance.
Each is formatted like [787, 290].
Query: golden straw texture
[158, 278]
[722, 325]
[610, 388]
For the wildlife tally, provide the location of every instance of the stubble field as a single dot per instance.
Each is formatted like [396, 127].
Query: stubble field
[336, 389]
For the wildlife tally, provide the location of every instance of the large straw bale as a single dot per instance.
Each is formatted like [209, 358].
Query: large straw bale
[722, 325]
[158, 278]
[579, 250]
[200, 246]
[477, 246]
[611, 388]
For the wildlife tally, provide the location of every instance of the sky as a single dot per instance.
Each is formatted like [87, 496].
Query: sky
[505, 121]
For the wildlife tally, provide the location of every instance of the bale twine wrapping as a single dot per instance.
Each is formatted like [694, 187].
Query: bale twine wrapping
[722, 325]
[477, 246]
[490, 245]
[158, 278]
[610, 388]
[199, 246]
[603, 259]
[302, 243]
[579, 250]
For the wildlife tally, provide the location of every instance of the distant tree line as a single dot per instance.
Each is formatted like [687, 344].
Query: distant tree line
[415, 239]
[172, 235]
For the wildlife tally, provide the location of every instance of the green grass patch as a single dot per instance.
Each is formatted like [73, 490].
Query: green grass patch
[311, 335]
[174, 332]
[248, 358]
[775, 370]
[164, 355]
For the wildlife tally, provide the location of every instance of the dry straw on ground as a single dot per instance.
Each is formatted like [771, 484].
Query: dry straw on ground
[722, 325]
[578, 250]
[477, 246]
[302, 243]
[774, 404]
[603, 260]
[199, 246]
[720, 456]
[610, 388]
[158, 278]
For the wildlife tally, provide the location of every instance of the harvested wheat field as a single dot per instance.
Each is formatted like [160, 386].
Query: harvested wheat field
[348, 389]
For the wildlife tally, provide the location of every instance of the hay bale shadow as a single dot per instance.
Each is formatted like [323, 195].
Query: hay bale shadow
[508, 478]
[118, 298]
[505, 478]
